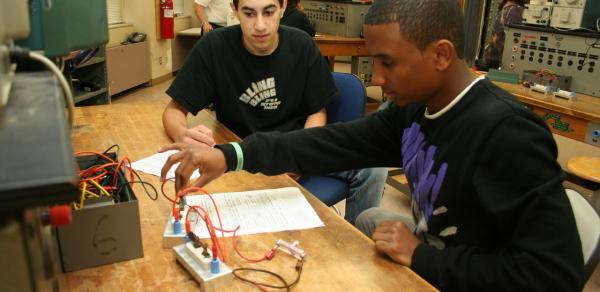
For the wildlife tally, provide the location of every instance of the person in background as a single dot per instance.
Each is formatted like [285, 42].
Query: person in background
[509, 12]
[212, 13]
[295, 17]
[244, 70]
[489, 212]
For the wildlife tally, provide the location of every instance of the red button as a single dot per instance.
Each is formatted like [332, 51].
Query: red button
[60, 215]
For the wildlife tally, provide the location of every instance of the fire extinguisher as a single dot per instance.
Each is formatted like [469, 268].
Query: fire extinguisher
[166, 19]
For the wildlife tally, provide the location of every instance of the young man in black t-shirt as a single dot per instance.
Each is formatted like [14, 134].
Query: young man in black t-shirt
[261, 77]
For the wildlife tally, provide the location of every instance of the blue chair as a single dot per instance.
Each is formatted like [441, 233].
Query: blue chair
[347, 106]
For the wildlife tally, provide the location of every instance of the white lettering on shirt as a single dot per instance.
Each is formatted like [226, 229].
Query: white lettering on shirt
[262, 92]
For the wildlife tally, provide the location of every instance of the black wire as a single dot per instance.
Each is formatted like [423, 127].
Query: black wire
[588, 50]
[144, 183]
[111, 147]
[299, 266]
[112, 171]
[140, 180]
[285, 285]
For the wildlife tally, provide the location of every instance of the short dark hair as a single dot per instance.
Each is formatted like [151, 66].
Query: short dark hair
[422, 21]
[236, 2]
[518, 2]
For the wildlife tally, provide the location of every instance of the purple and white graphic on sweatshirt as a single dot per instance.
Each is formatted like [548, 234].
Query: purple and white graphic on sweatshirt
[424, 184]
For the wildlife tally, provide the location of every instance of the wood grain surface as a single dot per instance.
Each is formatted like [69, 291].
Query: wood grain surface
[340, 258]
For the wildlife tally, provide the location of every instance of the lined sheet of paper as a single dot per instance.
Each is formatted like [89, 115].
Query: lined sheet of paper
[257, 211]
[154, 163]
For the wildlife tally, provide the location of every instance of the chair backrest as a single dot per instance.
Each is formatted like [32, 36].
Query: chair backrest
[350, 103]
[588, 227]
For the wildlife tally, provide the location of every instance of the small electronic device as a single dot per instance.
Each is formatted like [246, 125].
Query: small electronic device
[136, 37]
[555, 81]
[174, 234]
[291, 248]
[541, 88]
[363, 68]
[565, 53]
[537, 14]
[337, 18]
[570, 95]
[575, 14]
[212, 274]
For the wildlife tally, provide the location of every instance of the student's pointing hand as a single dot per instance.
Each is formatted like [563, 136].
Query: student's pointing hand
[209, 161]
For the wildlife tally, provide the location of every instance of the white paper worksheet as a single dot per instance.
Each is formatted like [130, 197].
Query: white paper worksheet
[154, 163]
[257, 211]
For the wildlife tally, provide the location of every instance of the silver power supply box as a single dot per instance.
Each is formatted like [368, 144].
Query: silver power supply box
[563, 14]
[575, 14]
[537, 14]
[566, 53]
[337, 18]
[363, 67]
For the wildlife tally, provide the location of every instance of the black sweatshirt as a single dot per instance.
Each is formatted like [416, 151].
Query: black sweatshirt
[295, 18]
[484, 182]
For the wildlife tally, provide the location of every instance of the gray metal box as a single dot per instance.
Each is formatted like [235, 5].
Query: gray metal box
[103, 233]
[567, 53]
[537, 14]
[575, 14]
[337, 18]
[555, 81]
[363, 68]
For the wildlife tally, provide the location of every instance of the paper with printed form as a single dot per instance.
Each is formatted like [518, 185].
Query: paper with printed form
[154, 163]
[257, 211]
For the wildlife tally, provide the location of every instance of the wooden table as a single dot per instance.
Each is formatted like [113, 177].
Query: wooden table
[339, 256]
[576, 119]
[586, 167]
[332, 45]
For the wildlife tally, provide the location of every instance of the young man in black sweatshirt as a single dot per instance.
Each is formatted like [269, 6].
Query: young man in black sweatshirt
[489, 210]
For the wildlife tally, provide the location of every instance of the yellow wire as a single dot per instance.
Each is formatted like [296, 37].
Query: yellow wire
[102, 190]
[92, 194]
[83, 189]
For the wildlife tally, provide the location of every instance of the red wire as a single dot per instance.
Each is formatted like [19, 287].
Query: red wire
[127, 169]
[210, 226]
[264, 257]
[99, 172]
[191, 189]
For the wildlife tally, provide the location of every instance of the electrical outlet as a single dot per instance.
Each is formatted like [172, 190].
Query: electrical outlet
[207, 280]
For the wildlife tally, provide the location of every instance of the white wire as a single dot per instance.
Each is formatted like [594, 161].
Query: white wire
[63, 82]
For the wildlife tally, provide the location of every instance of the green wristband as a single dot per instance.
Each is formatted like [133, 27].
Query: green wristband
[239, 154]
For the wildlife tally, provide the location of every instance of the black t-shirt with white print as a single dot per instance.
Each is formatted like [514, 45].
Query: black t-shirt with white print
[255, 93]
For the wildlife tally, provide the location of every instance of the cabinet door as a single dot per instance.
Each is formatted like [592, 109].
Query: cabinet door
[127, 66]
